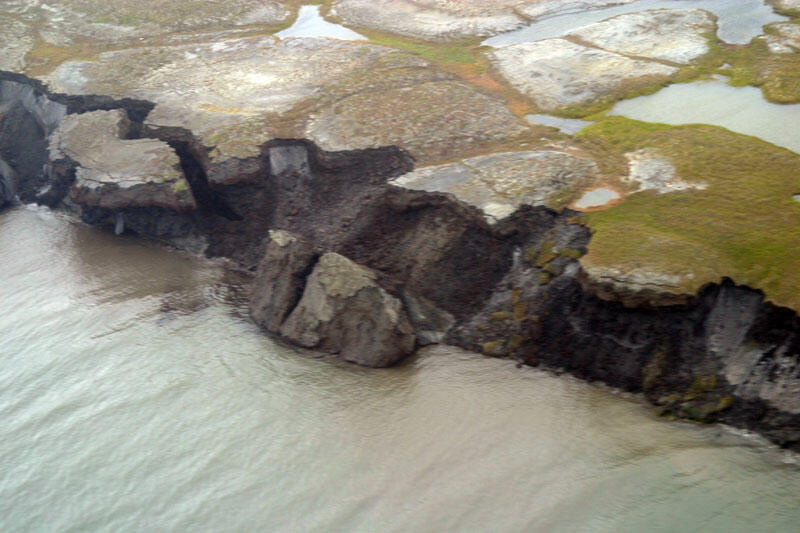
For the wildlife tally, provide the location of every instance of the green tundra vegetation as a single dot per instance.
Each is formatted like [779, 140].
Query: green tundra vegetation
[744, 225]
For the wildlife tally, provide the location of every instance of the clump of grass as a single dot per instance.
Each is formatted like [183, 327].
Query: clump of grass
[778, 75]
[547, 253]
[180, 186]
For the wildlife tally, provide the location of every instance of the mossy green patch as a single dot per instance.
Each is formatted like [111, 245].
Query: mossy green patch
[500, 316]
[514, 342]
[744, 225]
[570, 253]
[516, 294]
[778, 75]
[547, 253]
[494, 348]
[454, 53]
[699, 386]
[724, 403]
[180, 186]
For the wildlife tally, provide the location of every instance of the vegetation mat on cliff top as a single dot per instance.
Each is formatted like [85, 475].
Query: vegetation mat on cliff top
[744, 225]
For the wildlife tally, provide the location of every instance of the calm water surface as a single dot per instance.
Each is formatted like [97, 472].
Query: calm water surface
[738, 20]
[310, 23]
[135, 396]
[570, 126]
[596, 198]
[740, 109]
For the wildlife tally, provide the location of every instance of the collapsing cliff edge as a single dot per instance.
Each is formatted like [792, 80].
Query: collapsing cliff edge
[346, 263]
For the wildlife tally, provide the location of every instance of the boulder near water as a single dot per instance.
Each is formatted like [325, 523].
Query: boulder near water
[329, 303]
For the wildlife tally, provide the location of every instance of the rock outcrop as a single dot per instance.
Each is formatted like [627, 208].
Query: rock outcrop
[280, 279]
[328, 303]
[602, 60]
[7, 184]
[343, 310]
[27, 119]
[648, 170]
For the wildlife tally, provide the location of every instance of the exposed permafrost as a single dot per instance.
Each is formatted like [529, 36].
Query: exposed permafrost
[511, 289]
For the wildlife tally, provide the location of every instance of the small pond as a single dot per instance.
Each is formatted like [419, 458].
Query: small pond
[310, 23]
[597, 198]
[569, 126]
[740, 109]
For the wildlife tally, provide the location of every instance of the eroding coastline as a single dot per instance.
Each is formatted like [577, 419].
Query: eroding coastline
[434, 267]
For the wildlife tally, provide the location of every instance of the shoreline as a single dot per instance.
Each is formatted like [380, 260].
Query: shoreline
[514, 289]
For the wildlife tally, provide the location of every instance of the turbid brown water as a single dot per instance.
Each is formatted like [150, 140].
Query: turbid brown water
[136, 396]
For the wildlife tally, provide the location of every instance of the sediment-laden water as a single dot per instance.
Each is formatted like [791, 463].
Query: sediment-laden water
[136, 395]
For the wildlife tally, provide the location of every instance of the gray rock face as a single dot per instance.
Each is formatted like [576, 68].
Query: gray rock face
[47, 113]
[430, 322]
[7, 179]
[280, 279]
[328, 303]
[26, 119]
[289, 160]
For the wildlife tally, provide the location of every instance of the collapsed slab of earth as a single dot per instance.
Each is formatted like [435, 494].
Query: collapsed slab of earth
[114, 172]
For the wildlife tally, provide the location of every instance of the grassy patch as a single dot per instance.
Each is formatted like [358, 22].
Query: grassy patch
[745, 225]
[778, 75]
[455, 55]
